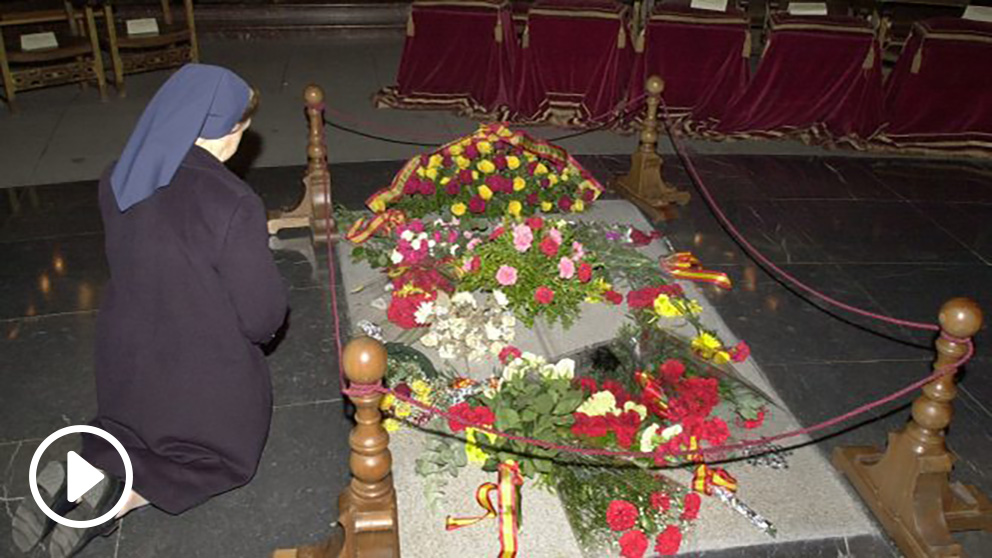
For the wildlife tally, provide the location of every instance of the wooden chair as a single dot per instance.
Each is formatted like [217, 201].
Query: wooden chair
[76, 59]
[173, 45]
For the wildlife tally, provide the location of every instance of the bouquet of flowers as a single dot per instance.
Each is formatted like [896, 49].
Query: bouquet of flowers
[540, 267]
[493, 172]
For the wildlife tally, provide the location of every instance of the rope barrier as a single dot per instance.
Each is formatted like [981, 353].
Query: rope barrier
[366, 389]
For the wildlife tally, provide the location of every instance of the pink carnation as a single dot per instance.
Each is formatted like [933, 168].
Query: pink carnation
[523, 237]
[566, 268]
[506, 275]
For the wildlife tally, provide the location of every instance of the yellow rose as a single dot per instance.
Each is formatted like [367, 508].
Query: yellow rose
[431, 173]
[513, 162]
[540, 169]
[487, 166]
[462, 162]
[663, 307]
[564, 175]
[435, 161]
[420, 172]
[485, 193]
[546, 206]
[514, 208]
[445, 180]
[484, 147]
[552, 179]
[459, 209]
[519, 184]
[578, 206]
[377, 205]
[475, 175]
[455, 150]
[391, 424]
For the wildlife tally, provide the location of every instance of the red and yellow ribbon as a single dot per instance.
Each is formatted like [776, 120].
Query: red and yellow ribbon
[684, 265]
[505, 508]
[363, 229]
[705, 478]
[654, 396]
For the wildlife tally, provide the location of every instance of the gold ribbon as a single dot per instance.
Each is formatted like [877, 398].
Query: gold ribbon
[705, 478]
[363, 229]
[683, 265]
[505, 508]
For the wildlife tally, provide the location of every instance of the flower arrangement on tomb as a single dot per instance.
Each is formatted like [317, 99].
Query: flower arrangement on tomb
[491, 173]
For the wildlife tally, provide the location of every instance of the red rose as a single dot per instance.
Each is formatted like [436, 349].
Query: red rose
[454, 188]
[477, 205]
[633, 544]
[564, 203]
[660, 501]
[544, 295]
[588, 195]
[533, 199]
[690, 507]
[587, 384]
[621, 515]
[465, 176]
[535, 223]
[500, 161]
[472, 152]
[585, 274]
[549, 247]
[672, 371]
[667, 542]
[427, 188]
[509, 353]
[411, 187]
[613, 297]
[446, 159]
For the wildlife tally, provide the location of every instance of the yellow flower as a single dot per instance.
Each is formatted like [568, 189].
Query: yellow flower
[663, 307]
[486, 166]
[475, 175]
[445, 180]
[473, 452]
[421, 390]
[462, 162]
[455, 150]
[540, 169]
[485, 193]
[564, 175]
[377, 205]
[484, 147]
[391, 425]
[530, 156]
[387, 402]
[695, 307]
[513, 162]
[514, 208]
[435, 161]
[552, 179]
[578, 206]
[420, 172]
[519, 184]
[546, 206]
[431, 173]
[503, 131]
[459, 209]
[721, 357]
[403, 409]
[706, 344]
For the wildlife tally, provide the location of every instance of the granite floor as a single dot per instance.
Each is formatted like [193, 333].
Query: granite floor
[892, 235]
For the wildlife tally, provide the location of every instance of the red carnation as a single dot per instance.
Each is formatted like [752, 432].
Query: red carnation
[411, 187]
[446, 159]
[467, 415]
[667, 542]
[642, 298]
[454, 188]
[588, 195]
[633, 544]
[427, 188]
[500, 161]
[564, 203]
[587, 384]
[544, 295]
[585, 274]
[549, 247]
[660, 501]
[672, 370]
[751, 424]
[477, 205]
[617, 390]
[535, 223]
[690, 506]
[533, 199]
[465, 176]
[624, 427]
[613, 297]
[740, 352]
[621, 515]
[590, 427]
[509, 353]
[472, 152]
[401, 310]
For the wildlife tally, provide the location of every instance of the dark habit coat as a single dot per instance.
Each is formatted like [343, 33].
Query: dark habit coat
[181, 378]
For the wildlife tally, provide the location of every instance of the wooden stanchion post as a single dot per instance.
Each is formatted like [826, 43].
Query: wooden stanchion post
[367, 525]
[643, 184]
[314, 210]
[908, 487]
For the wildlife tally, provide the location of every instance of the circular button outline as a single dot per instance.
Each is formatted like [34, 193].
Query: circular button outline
[33, 473]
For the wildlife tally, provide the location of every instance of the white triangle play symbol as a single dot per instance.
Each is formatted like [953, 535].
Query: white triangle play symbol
[81, 476]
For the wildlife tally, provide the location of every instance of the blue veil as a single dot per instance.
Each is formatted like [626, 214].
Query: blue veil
[198, 101]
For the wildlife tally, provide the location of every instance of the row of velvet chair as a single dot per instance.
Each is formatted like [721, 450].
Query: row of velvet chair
[85, 32]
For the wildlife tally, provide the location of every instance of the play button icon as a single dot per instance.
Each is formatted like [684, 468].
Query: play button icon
[81, 476]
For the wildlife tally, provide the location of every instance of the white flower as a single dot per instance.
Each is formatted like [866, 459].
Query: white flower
[600, 403]
[671, 432]
[463, 298]
[396, 257]
[501, 298]
[513, 370]
[454, 249]
[446, 351]
[495, 348]
[640, 409]
[457, 326]
[431, 243]
[424, 311]
[493, 333]
[647, 437]
[564, 369]
[509, 321]
[430, 339]
[407, 235]
[416, 244]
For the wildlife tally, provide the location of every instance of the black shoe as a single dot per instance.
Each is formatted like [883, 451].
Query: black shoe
[67, 541]
[30, 525]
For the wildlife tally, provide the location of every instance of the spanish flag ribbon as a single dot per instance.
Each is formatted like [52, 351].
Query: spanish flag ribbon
[505, 508]
[654, 396]
[684, 265]
[363, 229]
[705, 478]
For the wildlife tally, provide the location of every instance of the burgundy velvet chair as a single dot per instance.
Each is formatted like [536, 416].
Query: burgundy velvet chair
[575, 62]
[939, 96]
[459, 55]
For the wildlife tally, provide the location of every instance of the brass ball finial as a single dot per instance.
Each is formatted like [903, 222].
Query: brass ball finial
[313, 94]
[655, 85]
[961, 317]
[364, 360]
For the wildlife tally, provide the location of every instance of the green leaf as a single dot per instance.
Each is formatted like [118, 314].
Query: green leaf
[569, 403]
[543, 404]
[507, 418]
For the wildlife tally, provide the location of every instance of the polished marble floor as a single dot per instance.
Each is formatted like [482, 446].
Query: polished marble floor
[895, 237]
